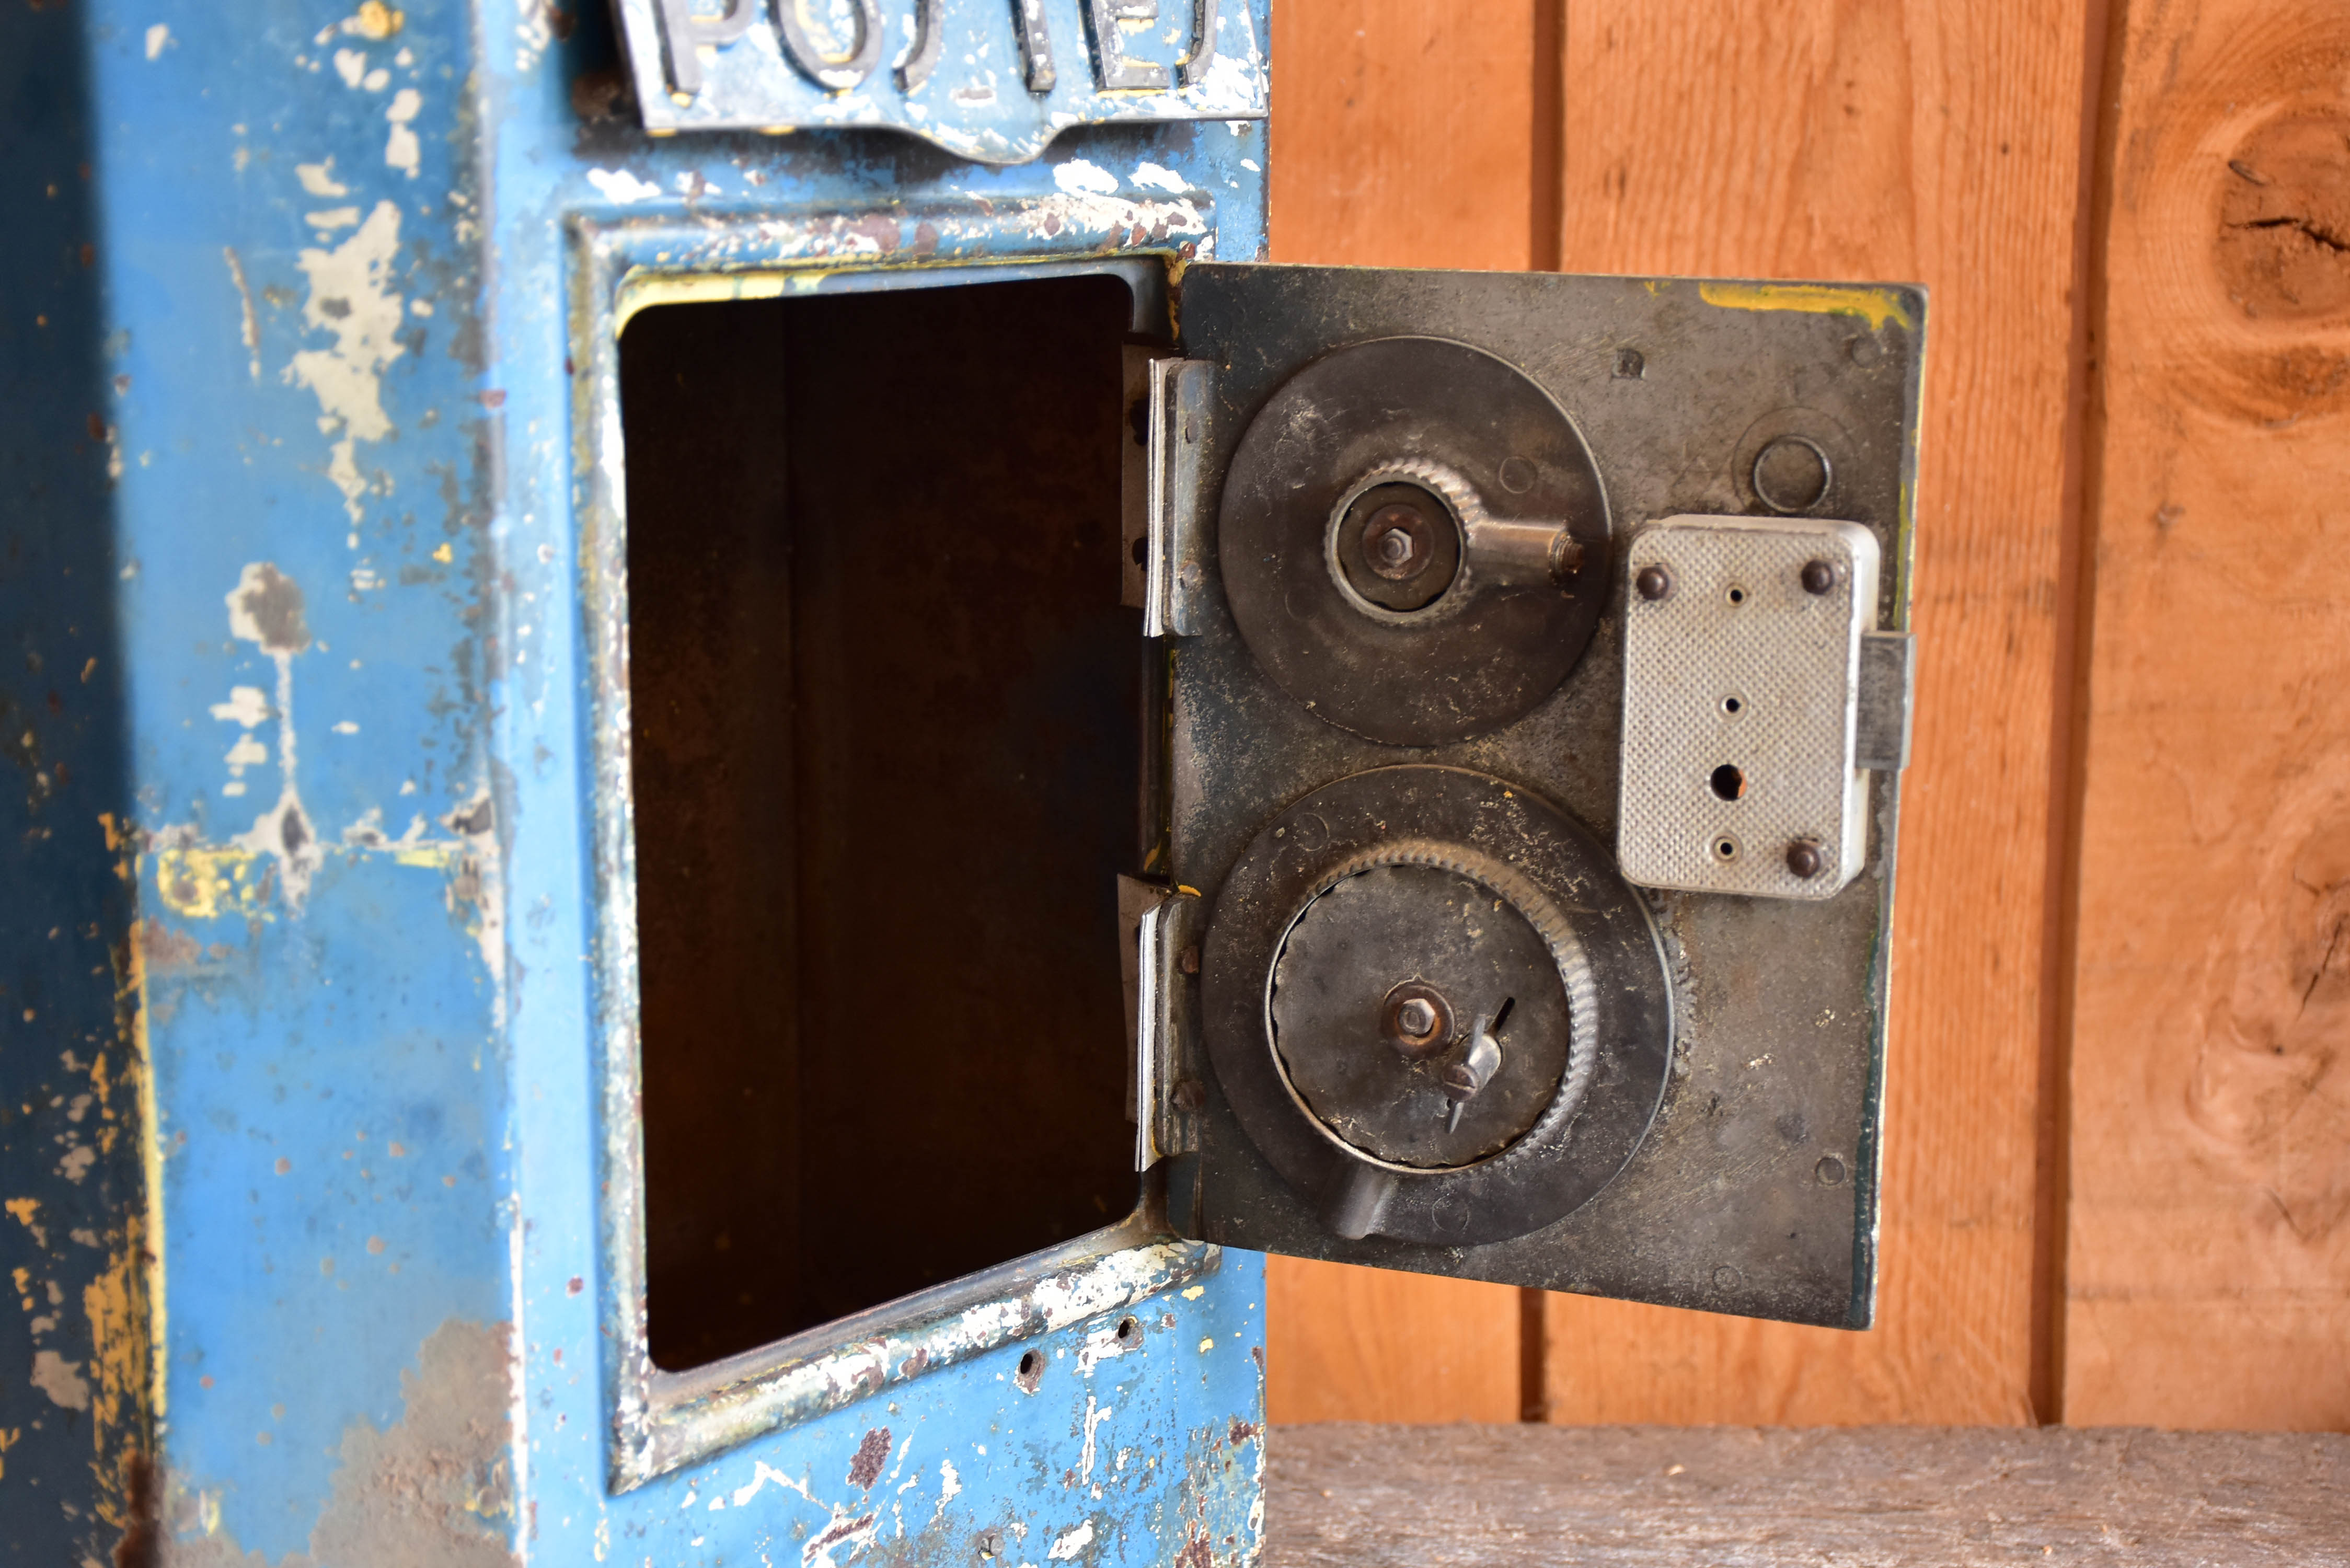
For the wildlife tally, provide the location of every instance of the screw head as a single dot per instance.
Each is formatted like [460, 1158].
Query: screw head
[1806, 860]
[1653, 582]
[1819, 577]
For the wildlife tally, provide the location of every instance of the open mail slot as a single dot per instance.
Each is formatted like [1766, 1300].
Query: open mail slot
[887, 738]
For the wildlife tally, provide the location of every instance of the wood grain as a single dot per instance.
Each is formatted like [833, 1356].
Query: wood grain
[1402, 136]
[1939, 143]
[1532, 1497]
[1341, 1339]
[2208, 1275]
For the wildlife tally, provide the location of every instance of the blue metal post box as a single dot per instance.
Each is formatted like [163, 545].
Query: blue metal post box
[736, 754]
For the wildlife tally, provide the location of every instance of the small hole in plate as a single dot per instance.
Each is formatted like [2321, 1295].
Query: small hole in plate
[1736, 595]
[1031, 1371]
[1732, 705]
[1725, 848]
[1128, 1331]
[1728, 781]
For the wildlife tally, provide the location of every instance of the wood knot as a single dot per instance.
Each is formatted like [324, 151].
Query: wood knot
[2282, 242]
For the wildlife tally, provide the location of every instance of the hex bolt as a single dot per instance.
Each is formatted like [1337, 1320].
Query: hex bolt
[1653, 582]
[1395, 547]
[1819, 577]
[1806, 858]
[1416, 1018]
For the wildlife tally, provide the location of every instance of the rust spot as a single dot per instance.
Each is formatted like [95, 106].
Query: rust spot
[1197, 1552]
[872, 1453]
[97, 428]
[573, 1286]
[1242, 1432]
[140, 1546]
[495, 398]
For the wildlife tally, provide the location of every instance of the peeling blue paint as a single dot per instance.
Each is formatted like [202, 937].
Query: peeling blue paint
[331, 883]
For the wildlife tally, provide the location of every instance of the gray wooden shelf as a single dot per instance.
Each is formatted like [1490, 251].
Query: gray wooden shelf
[1713, 1497]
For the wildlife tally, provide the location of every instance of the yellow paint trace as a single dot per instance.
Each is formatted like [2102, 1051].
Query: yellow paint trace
[199, 882]
[1878, 305]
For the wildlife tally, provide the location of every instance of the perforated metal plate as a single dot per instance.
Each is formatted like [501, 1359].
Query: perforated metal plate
[1740, 678]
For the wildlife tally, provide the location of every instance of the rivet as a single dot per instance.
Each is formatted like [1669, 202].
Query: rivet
[1653, 582]
[1806, 858]
[1819, 577]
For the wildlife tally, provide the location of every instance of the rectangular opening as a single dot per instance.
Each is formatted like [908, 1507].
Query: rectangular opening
[886, 731]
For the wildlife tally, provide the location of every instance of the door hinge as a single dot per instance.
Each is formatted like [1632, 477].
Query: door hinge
[1160, 966]
[1166, 574]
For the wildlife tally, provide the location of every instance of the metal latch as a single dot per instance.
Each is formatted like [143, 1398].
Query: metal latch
[1757, 693]
[1161, 962]
[1167, 537]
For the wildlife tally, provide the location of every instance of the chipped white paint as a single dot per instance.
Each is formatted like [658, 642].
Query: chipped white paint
[351, 66]
[1159, 177]
[60, 1379]
[332, 218]
[352, 298]
[1077, 177]
[949, 1487]
[1094, 1419]
[318, 179]
[159, 38]
[1066, 1548]
[1074, 1295]
[620, 185]
[250, 329]
[401, 149]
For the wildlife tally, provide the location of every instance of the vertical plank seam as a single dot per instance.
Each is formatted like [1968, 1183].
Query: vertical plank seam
[2105, 27]
[1546, 246]
[1546, 164]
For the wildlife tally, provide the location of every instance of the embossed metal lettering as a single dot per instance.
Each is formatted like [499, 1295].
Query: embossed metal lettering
[837, 73]
[1114, 69]
[682, 32]
[929, 38]
[784, 64]
[1204, 43]
[1035, 43]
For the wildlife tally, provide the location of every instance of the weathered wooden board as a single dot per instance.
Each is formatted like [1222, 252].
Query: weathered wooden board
[1939, 143]
[1535, 1497]
[1402, 136]
[2208, 1277]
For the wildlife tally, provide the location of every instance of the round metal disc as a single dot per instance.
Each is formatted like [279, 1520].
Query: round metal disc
[1377, 928]
[1345, 895]
[1452, 674]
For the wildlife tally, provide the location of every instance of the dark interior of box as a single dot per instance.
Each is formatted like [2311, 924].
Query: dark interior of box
[886, 743]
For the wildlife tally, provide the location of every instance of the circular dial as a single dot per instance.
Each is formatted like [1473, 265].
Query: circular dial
[1352, 519]
[1464, 951]
[1353, 959]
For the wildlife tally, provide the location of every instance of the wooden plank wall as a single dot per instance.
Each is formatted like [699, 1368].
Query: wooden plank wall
[2210, 1266]
[2119, 1097]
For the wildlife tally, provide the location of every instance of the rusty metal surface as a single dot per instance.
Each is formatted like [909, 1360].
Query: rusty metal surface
[1779, 1040]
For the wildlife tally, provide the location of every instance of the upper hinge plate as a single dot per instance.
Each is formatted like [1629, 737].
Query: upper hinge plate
[1167, 534]
[1756, 695]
